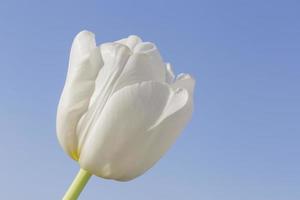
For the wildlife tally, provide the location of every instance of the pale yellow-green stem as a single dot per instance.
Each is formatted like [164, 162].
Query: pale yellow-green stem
[78, 184]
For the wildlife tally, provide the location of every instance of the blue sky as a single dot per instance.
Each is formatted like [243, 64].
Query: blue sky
[243, 140]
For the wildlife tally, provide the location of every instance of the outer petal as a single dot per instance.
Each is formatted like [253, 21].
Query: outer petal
[117, 146]
[82, 45]
[170, 124]
[85, 62]
[115, 57]
[185, 81]
[144, 65]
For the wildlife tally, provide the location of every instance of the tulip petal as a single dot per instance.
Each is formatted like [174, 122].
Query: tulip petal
[130, 42]
[169, 73]
[83, 43]
[85, 62]
[144, 65]
[117, 143]
[115, 57]
[165, 134]
[185, 81]
[170, 125]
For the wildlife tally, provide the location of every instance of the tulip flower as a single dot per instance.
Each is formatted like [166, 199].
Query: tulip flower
[121, 108]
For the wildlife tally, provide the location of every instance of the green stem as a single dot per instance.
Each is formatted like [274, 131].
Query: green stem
[78, 184]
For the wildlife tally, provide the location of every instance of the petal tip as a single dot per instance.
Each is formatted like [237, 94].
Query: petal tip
[144, 47]
[183, 76]
[85, 33]
[135, 38]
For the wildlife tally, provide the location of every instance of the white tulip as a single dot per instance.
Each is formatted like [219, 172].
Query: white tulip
[122, 107]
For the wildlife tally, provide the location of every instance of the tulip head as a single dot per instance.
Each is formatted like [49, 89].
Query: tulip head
[121, 107]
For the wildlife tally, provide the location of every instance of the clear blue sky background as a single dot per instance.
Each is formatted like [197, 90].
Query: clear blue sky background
[243, 140]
